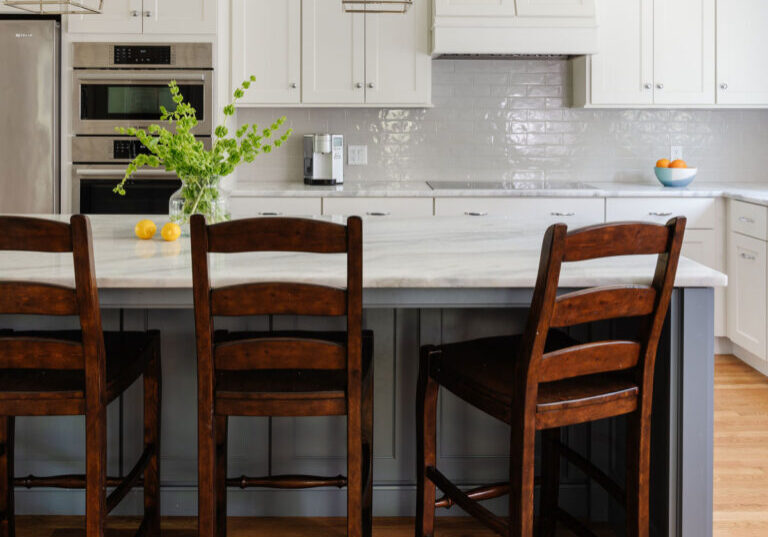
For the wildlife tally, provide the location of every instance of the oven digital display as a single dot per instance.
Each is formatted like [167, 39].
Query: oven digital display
[144, 55]
[135, 101]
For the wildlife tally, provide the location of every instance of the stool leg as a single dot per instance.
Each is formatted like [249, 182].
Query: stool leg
[355, 463]
[7, 526]
[95, 470]
[221, 475]
[550, 488]
[521, 480]
[426, 456]
[638, 474]
[368, 460]
[152, 412]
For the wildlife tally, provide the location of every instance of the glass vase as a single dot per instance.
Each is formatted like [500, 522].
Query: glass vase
[199, 196]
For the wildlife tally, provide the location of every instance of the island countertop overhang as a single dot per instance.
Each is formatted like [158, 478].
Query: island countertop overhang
[399, 254]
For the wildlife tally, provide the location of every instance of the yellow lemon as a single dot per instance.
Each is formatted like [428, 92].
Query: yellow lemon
[145, 229]
[171, 231]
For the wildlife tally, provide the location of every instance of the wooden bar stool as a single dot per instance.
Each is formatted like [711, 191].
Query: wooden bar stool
[68, 373]
[542, 380]
[282, 373]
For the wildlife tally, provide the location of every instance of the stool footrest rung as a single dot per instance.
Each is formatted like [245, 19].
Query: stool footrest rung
[287, 481]
[600, 477]
[574, 524]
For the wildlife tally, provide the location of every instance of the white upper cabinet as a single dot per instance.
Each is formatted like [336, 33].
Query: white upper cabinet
[684, 51]
[333, 54]
[149, 17]
[652, 53]
[742, 39]
[278, 73]
[556, 8]
[116, 17]
[623, 72]
[397, 60]
[474, 8]
[179, 16]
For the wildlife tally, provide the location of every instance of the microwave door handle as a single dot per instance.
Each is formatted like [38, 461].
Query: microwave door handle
[140, 78]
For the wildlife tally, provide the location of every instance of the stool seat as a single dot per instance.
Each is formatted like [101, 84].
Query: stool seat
[128, 354]
[482, 371]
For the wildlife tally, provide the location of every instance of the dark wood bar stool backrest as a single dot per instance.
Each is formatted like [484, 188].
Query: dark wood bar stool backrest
[32, 298]
[278, 298]
[647, 303]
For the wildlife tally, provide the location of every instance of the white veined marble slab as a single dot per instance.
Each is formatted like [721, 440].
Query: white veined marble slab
[430, 252]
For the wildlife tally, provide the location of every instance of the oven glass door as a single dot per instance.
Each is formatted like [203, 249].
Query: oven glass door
[142, 196]
[109, 99]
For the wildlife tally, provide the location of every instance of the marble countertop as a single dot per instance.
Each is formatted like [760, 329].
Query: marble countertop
[429, 252]
[750, 192]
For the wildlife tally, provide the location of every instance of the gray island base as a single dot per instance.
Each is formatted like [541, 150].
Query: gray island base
[426, 281]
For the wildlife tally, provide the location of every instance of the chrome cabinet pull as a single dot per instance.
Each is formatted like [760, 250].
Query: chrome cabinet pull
[659, 86]
[648, 86]
[378, 213]
[723, 86]
[562, 214]
[293, 85]
[659, 214]
[359, 85]
[148, 14]
[746, 220]
[135, 13]
[270, 213]
[370, 85]
[747, 257]
[476, 213]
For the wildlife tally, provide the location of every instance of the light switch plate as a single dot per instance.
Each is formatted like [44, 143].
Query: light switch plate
[357, 155]
[676, 152]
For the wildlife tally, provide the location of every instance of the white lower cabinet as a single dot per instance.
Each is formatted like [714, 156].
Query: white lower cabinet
[747, 293]
[575, 212]
[249, 206]
[378, 207]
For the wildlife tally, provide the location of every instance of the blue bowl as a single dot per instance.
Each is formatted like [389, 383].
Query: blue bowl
[676, 177]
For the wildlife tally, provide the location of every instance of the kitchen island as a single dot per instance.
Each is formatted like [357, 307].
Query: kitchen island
[426, 280]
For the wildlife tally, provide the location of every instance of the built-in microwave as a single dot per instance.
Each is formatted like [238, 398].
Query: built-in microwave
[124, 85]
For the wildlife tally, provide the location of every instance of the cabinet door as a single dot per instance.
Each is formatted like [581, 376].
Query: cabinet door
[622, 73]
[742, 40]
[117, 17]
[250, 206]
[256, 25]
[746, 293]
[684, 51]
[556, 8]
[474, 8]
[333, 54]
[179, 16]
[398, 65]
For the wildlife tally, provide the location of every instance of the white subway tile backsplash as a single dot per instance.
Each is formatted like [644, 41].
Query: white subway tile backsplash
[510, 119]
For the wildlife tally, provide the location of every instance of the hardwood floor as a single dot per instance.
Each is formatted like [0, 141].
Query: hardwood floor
[741, 450]
[740, 495]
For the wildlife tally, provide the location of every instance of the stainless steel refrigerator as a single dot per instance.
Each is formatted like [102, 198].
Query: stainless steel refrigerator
[29, 116]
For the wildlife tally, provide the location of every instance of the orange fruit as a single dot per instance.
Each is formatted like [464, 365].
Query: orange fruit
[663, 163]
[678, 164]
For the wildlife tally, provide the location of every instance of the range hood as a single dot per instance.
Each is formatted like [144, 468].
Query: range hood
[514, 28]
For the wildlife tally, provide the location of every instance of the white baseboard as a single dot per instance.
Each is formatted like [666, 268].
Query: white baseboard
[752, 360]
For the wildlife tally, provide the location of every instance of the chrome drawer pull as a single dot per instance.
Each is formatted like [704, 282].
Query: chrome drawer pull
[747, 257]
[270, 213]
[746, 220]
[562, 214]
[378, 213]
[475, 213]
[659, 214]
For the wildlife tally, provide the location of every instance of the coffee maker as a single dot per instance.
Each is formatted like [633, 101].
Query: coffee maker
[323, 159]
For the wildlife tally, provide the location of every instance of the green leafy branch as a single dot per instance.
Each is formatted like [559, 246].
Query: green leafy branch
[177, 149]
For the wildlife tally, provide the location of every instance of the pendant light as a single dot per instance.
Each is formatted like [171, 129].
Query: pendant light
[377, 6]
[56, 7]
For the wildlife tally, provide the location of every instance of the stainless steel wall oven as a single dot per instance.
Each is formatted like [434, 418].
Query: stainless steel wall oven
[124, 85]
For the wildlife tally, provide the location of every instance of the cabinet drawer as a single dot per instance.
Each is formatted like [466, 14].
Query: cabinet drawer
[246, 206]
[749, 219]
[378, 206]
[538, 211]
[700, 212]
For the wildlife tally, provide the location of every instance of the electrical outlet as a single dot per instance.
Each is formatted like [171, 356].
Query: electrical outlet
[357, 155]
[676, 152]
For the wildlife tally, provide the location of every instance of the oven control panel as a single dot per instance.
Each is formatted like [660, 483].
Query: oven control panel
[128, 149]
[142, 55]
